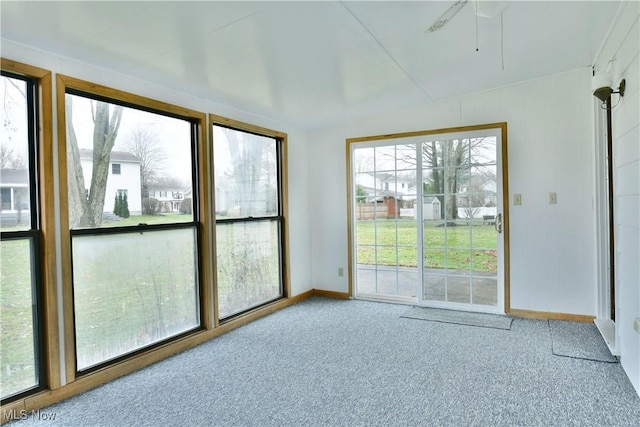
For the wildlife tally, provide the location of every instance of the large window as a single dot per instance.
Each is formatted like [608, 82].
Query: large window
[21, 344]
[134, 220]
[249, 217]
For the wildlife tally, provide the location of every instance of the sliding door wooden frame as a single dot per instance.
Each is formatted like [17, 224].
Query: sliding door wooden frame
[502, 126]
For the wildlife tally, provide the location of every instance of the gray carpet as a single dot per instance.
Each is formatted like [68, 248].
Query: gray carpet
[326, 362]
[580, 341]
[459, 317]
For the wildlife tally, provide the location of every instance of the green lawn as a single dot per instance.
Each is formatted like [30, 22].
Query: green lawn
[149, 219]
[17, 367]
[460, 247]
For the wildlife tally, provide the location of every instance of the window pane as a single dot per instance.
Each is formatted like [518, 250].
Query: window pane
[246, 174]
[14, 160]
[18, 371]
[132, 290]
[248, 265]
[137, 169]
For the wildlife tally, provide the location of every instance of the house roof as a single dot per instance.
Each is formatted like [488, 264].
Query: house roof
[12, 177]
[116, 156]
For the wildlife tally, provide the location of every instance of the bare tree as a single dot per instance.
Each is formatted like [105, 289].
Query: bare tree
[85, 210]
[10, 158]
[145, 144]
[252, 163]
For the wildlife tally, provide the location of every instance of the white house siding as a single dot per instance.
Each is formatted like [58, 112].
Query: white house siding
[621, 52]
[128, 179]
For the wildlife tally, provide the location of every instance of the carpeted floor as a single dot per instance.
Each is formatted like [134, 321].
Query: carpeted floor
[330, 362]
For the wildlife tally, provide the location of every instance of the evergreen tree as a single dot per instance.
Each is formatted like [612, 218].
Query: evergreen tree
[125, 206]
[116, 205]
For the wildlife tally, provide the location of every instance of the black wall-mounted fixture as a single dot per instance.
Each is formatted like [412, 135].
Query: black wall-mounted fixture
[601, 86]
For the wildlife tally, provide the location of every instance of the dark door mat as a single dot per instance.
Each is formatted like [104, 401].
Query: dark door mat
[459, 317]
[579, 341]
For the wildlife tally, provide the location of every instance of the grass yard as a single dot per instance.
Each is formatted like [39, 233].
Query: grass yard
[162, 218]
[17, 367]
[460, 247]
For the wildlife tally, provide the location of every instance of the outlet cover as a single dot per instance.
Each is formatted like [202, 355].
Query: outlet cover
[340, 272]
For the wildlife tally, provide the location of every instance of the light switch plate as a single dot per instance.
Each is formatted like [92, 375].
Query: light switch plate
[636, 325]
[517, 199]
[553, 198]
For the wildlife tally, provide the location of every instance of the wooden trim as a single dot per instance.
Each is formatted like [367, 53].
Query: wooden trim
[213, 298]
[204, 195]
[548, 315]
[126, 97]
[65, 243]
[23, 69]
[427, 132]
[48, 229]
[51, 358]
[331, 294]
[284, 196]
[248, 127]
[506, 253]
[147, 358]
[284, 176]
[350, 221]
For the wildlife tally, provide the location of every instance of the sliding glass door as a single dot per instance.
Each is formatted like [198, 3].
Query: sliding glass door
[427, 217]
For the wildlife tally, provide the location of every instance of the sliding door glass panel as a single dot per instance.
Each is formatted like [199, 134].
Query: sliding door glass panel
[248, 265]
[385, 220]
[17, 324]
[249, 220]
[132, 290]
[463, 181]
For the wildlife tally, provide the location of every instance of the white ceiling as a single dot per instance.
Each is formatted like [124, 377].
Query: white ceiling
[316, 64]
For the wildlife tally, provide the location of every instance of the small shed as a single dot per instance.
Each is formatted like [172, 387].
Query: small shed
[431, 208]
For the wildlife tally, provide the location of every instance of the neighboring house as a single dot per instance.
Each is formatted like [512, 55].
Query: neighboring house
[14, 193]
[486, 188]
[124, 178]
[377, 185]
[170, 196]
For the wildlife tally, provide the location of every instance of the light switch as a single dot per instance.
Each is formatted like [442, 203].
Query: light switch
[636, 325]
[340, 272]
[553, 198]
[517, 199]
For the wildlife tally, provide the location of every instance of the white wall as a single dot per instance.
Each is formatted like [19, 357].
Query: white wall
[621, 52]
[550, 142]
[299, 226]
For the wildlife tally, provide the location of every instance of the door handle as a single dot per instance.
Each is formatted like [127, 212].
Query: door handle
[498, 223]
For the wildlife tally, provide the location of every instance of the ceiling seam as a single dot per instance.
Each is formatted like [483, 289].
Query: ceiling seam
[429, 97]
